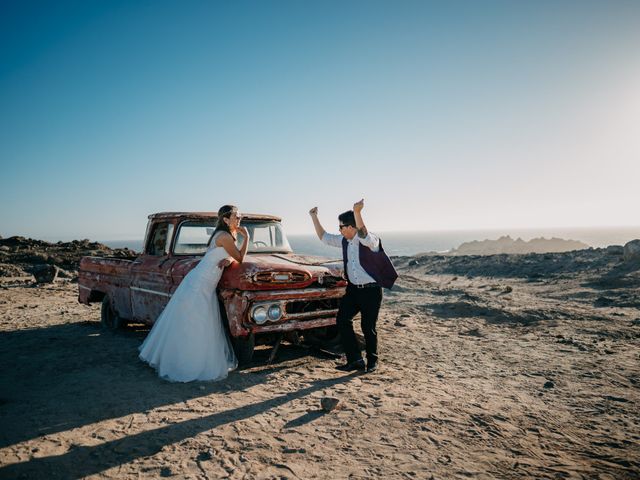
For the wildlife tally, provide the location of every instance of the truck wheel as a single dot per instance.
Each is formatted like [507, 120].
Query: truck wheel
[323, 337]
[243, 347]
[329, 338]
[108, 317]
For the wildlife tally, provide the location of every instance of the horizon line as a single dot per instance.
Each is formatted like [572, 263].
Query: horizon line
[52, 238]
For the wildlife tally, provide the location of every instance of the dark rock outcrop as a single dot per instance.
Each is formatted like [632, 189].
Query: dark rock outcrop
[632, 250]
[20, 256]
[44, 273]
[615, 250]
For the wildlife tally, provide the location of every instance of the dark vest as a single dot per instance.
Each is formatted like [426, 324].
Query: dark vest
[376, 264]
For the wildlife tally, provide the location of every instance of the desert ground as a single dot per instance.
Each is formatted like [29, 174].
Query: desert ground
[506, 366]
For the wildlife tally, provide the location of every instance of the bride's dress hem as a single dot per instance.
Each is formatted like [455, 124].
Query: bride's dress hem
[175, 380]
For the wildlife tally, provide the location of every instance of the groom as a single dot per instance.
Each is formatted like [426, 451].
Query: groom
[368, 269]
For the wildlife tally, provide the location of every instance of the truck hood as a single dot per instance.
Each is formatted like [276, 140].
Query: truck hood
[256, 272]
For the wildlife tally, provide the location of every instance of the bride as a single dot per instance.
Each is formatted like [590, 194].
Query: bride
[188, 341]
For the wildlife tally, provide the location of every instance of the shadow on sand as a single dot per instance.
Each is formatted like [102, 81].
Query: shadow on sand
[63, 377]
[82, 461]
[465, 309]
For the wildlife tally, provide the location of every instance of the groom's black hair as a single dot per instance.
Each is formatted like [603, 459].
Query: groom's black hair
[347, 218]
[224, 212]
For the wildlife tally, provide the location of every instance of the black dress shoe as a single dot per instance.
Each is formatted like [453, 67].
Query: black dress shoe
[352, 366]
[372, 366]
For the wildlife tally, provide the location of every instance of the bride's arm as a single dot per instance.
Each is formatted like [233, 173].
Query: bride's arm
[228, 243]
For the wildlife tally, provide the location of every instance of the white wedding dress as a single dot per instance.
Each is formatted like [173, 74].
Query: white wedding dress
[188, 341]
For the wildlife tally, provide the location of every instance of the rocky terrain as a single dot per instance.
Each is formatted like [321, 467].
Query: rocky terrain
[502, 366]
[26, 257]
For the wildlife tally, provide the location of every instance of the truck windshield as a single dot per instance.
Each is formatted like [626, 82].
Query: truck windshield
[264, 237]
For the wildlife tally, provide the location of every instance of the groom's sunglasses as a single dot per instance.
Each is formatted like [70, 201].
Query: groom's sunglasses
[343, 226]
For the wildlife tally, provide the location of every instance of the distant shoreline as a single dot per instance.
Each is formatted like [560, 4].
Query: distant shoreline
[413, 243]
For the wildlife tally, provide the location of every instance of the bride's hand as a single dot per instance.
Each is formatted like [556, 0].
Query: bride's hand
[224, 263]
[242, 231]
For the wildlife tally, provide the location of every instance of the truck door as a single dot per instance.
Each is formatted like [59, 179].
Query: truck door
[151, 275]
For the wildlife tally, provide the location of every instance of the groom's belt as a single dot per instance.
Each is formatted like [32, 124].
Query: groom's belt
[366, 285]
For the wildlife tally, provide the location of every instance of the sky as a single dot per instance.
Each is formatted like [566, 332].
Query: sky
[441, 115]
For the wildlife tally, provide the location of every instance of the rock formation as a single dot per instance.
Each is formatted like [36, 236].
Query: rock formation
[632, 250]
[20, 257]
[506, 244]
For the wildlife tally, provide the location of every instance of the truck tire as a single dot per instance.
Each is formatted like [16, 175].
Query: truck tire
[243, 347]
[329, 338]
[323, 337]
[108, 316]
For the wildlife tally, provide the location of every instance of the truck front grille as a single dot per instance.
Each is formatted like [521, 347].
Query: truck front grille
[304, 308]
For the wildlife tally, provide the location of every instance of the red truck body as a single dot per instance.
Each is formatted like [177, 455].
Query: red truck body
[305, 290]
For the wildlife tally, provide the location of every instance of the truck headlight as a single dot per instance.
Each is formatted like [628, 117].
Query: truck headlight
[259, 315]
[275, 312]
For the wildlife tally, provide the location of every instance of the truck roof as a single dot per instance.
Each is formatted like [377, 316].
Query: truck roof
[210, 216]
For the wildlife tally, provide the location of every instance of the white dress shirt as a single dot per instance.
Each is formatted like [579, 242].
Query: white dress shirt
[355, 273]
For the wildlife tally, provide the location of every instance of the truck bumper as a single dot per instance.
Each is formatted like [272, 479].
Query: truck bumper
[314, 315]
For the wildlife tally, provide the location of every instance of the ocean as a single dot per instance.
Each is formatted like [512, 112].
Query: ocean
[412, 243]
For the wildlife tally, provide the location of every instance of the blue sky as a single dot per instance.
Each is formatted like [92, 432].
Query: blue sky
[442, 115]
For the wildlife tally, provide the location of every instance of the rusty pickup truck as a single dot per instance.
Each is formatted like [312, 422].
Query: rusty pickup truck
[274, 293]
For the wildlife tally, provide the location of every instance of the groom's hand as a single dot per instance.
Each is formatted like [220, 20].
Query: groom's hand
[313, 211]
[358, 206]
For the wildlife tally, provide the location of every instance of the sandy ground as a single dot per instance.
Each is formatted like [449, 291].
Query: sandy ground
[480, 378]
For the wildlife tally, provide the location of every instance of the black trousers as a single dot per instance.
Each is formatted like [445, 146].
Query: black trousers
[365, 301]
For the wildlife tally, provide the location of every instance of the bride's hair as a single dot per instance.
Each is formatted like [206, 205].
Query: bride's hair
[221, 226]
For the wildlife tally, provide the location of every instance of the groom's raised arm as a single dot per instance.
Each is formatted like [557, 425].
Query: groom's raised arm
[366, 238]
[316, 222]
[326, 238]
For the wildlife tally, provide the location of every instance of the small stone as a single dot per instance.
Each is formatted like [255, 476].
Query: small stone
[549, 384]
[204, 456]
[45, 273]
[329, 403]
[294, 450]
